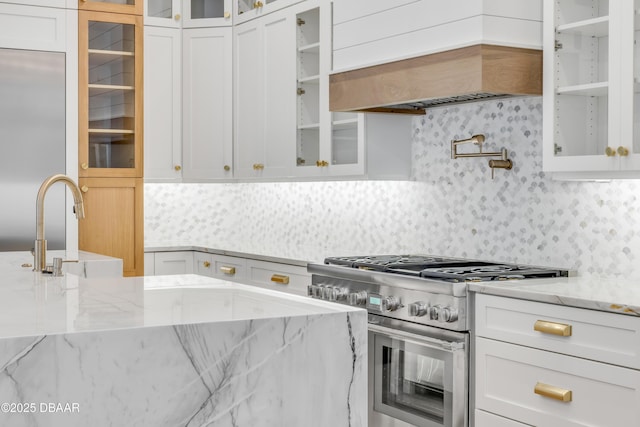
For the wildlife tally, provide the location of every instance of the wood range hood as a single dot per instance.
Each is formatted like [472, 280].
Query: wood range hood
[460, 75]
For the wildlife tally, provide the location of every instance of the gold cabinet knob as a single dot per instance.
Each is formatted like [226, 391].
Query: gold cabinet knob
[84, 188]
[257, 4]
[227, 15]
[177, 16]
[178, 168]
[322, 163]
[610, 152]
[623, 151]
[84, 166]
[206, 264]
[258, 166]
[227, 168]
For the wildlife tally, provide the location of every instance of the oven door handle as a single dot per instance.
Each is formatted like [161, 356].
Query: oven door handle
[449, 346]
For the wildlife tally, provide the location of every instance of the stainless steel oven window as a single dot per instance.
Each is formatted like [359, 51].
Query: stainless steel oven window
[418, 380]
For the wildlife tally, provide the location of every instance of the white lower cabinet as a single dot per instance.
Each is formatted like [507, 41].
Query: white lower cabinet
[173, 263]
[554, 366]
[486, 419]
[219, 266]
[289, 278]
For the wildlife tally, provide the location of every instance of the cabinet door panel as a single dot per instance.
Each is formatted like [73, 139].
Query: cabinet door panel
[33, 28]
[173, 263]
[113, 223]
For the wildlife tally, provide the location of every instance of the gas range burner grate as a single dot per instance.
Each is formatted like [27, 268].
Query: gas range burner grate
[385, 262]
[485, 273]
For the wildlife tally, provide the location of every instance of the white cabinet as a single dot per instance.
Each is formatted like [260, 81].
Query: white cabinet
[188, 13]
[591, 92]
[163, 103]
[265, 96]
[288, 278]
[173, 263]
[33, 28]
[542, 364]
[207, 104]
[245, 10]
[220, 266]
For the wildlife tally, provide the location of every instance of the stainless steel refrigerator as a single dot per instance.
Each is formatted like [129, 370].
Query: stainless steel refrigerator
[32, 145]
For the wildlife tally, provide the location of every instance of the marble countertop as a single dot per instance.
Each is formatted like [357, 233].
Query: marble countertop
[88, 265]
[35, 304]
[604, 294]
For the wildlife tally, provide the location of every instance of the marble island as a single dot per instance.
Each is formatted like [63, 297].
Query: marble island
[176, 351]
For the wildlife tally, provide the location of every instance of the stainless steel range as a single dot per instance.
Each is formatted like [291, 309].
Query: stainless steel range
[418, 329]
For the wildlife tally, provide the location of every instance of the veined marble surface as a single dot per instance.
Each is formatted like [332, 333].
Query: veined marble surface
[177, 351]
[614, 295]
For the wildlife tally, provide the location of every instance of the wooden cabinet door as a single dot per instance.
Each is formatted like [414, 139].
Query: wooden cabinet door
[133, 7]
[113, 223]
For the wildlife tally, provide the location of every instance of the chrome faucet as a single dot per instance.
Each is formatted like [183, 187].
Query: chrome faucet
[40, 249]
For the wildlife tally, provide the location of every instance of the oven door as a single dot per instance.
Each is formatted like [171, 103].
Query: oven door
[418, 375]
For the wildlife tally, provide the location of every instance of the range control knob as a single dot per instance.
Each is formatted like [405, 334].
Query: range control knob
[418, 309]
[338, 294]
[390, 304]
[326, 291]
[447, 314]
[358, 298]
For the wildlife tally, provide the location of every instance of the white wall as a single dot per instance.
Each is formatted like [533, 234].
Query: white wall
[453, 208]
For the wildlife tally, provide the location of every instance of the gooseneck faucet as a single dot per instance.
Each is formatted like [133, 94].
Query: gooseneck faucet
[40, 249]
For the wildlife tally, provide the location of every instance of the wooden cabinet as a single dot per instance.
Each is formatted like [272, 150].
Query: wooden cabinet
[113, 223]
[542, 364]
[110, 115]
[110, 95]
[188, 13]
[207, 104]
[132, 7]
[591, 94]
[265, 91]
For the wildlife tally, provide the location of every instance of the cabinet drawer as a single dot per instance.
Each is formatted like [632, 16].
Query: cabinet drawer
[173, 263]
[513, 381]
[486, 419]
[220, 266]
[281, 277]
[607, 337]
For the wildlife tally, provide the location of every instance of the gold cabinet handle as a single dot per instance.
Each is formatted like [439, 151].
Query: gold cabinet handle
[228, 270]
[610, 152]
[227, 168]
[178, 168]
[84, 166]
[84, 188]
[279, 278]
[177, 16]
[552, 328]
[553, 392]
[322, 163]
[623, 151]
[258, 166]
[227, 15]
[206, 264]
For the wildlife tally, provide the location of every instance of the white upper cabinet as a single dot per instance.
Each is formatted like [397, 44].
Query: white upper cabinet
[188, 13]
[245, 10]
[367, 32]
[265, 96]
[591, 94]
[33, 28]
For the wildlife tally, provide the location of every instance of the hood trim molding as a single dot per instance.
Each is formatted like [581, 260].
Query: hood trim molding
[460, 75]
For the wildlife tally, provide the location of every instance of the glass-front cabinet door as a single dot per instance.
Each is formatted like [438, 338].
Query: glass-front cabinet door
[206, 13]
[163, 13]
[110, 95]
[118, 6]
[631, 89]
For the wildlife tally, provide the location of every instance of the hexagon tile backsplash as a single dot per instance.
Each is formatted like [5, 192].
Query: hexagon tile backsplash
[451, 208]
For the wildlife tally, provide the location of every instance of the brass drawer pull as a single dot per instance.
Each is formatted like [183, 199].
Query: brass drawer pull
[553, 392]
[552, 328]
[279, 278]
[228, 270]
[206, 264]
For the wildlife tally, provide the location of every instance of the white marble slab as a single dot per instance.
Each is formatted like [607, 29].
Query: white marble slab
[613, 294]
[88, 265]
[177, 351]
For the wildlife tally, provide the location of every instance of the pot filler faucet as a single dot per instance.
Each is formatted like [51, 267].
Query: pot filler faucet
[40, 250]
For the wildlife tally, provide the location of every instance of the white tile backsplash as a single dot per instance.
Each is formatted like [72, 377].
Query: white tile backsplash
[452, 207]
